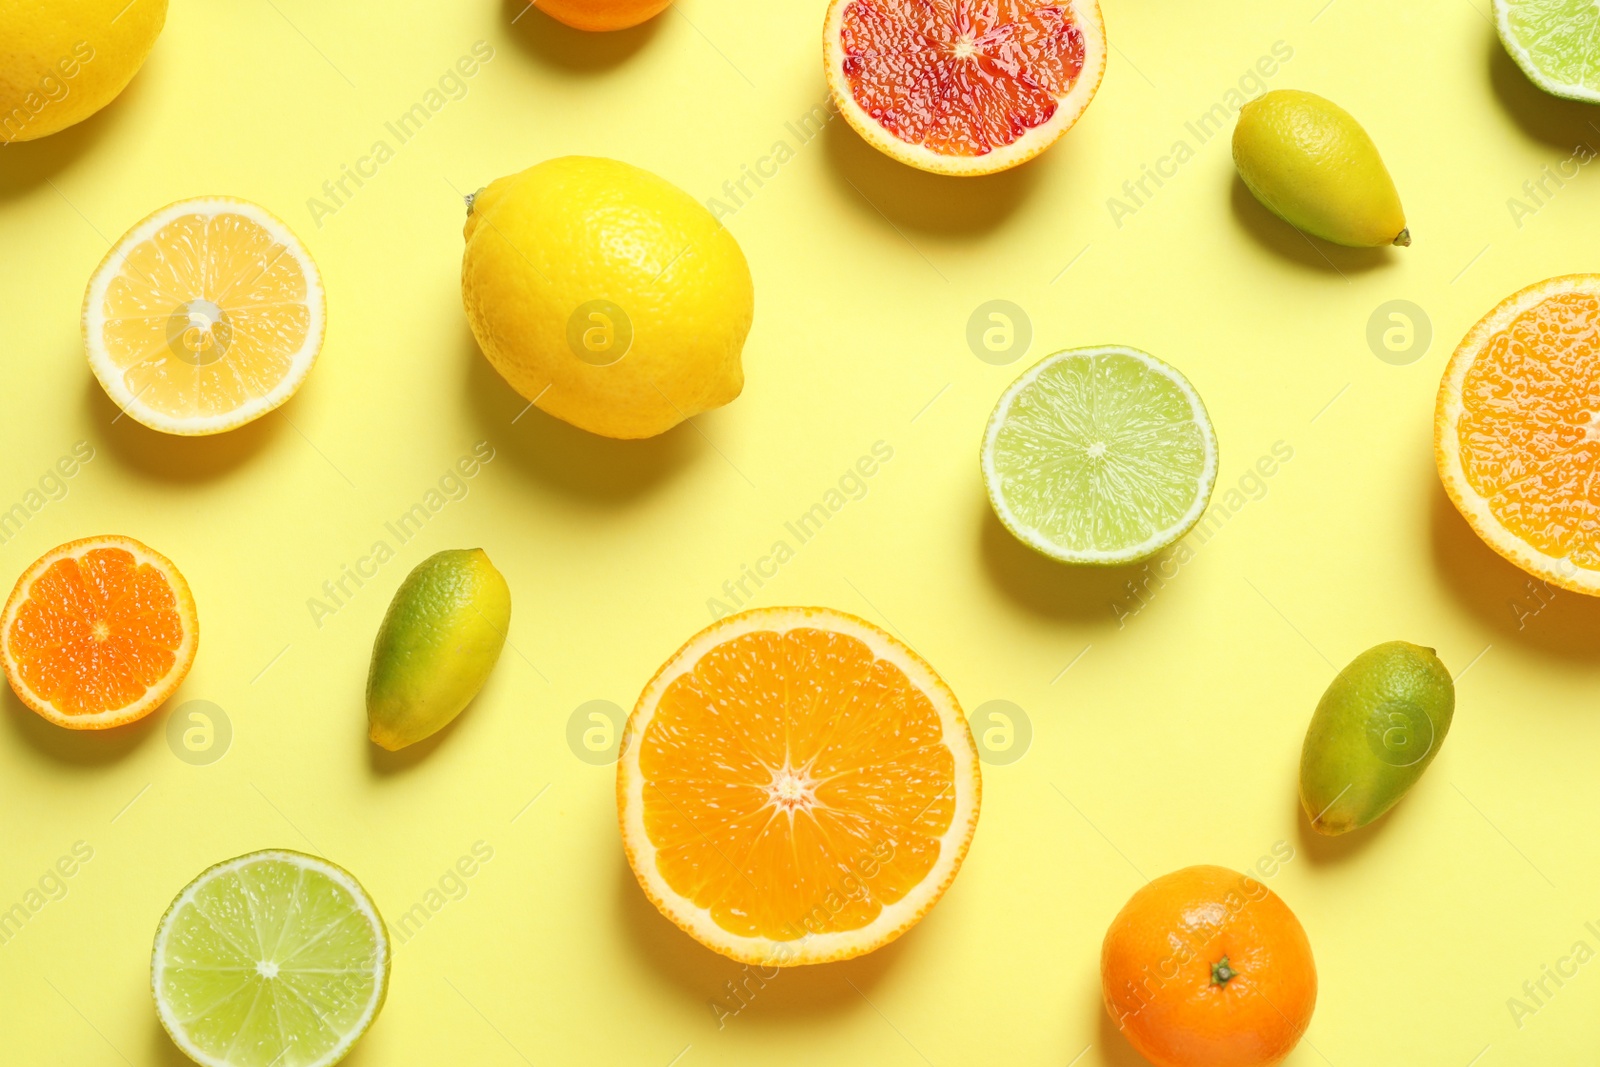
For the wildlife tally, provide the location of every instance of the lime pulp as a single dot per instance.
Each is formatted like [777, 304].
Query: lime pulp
[1100, 455]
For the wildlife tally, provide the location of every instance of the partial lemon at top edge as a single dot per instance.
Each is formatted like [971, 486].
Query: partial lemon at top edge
[1099, 456]
[67, 59]
[205, 316]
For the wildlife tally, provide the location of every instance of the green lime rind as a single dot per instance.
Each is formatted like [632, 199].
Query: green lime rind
[1376, 729]
[1100, 456]
[438, 642]
[1555, 42]
[271, 959]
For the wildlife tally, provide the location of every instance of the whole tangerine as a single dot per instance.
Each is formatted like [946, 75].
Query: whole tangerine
[1206, 967]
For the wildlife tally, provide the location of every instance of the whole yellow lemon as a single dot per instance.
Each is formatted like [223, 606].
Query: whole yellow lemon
[602, 14]
[63, 60]
[606, 295]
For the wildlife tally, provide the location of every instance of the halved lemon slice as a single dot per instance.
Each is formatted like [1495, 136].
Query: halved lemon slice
[98, 632]
[796, 786]
[205, 316]
[1517, 430]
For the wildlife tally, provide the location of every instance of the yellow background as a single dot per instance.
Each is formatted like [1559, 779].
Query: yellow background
[1173, 740]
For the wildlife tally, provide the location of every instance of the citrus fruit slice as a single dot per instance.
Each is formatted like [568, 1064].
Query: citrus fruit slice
[205, 316]
[1517, 430]
[274, 959]
[1206, 966]
[959, 88]
[1555, 42]
[1099, 455]
[796, 786]
[98, 632]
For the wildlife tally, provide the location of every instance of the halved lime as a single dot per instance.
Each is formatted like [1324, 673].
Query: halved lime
[1100, 455]
[1555, 42]
[275, 959]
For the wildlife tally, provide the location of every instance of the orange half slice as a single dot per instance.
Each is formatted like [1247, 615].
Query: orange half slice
[1517, 430]
[796, 786]
[205, 316]
[98, 633]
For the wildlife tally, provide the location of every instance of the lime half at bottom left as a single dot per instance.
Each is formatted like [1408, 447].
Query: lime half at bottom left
[273, 959]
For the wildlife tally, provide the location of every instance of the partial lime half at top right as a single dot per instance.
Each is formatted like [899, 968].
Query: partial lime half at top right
[1100, 456]
[1555, 42]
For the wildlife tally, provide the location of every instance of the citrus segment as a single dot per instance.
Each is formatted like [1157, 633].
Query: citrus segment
[1517, 430]
[1555, 44]
[796, 786]
[1099, 455]
[274, 959]
[206, 315]
[962, 88]
[98, 633]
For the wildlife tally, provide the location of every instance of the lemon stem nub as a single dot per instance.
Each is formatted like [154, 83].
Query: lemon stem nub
[471, 198]
[1221, 972]
[1404, 240]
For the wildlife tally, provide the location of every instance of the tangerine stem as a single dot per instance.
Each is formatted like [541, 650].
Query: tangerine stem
[1221, 972]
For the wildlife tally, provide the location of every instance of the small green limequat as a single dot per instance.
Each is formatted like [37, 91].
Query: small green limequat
[438, 642]
[1313, 166]
[1374, 732]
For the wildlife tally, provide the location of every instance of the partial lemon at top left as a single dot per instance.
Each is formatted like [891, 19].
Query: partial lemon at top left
[66, 59]
[205, 316]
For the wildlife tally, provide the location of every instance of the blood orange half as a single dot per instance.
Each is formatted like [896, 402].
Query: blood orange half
[963, 86]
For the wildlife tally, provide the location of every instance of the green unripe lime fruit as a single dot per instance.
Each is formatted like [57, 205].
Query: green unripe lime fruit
[439, 640]
[1374, 732]
[1313, 166]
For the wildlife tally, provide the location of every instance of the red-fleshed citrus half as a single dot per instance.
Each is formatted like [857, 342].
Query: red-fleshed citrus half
[957, 87]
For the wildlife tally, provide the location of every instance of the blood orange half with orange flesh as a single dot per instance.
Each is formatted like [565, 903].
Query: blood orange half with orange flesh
[963, 87]
[98, 633]
[1517, 430]
[796, 786]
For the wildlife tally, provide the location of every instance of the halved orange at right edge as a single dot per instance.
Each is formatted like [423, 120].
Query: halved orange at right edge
[1517, 430]
[98, 632]
[962, 88]
[796, 786]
